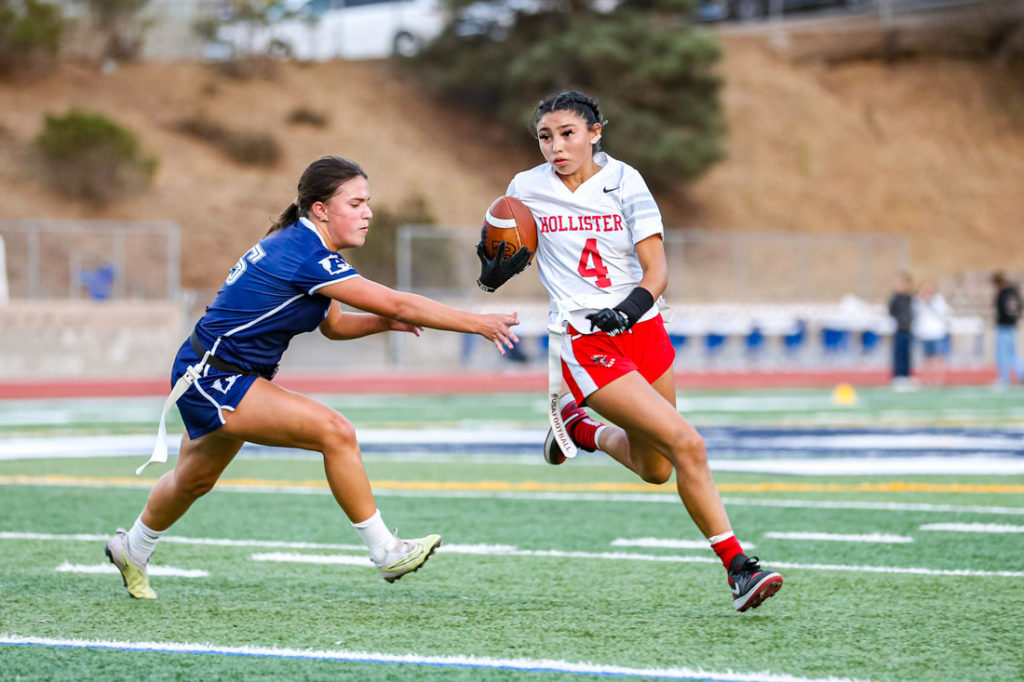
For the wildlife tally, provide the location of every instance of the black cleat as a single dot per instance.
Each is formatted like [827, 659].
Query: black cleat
[752, 584]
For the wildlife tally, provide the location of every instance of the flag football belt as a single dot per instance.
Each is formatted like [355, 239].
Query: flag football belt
[556, 330]
[192, 373]
[223, 365]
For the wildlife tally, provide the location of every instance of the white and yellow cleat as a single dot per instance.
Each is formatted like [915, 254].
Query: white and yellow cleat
[407, 556]
[135, 577]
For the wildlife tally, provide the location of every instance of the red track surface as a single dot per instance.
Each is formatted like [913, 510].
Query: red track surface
[470, 382]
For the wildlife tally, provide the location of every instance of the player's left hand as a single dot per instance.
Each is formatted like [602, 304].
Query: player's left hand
[612, 322]
[397, 326]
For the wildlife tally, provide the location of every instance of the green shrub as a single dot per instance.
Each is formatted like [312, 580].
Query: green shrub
[89, 157]
[30, 36]
[650, 67]
[250, 149]
[309, 117]
[248, 67]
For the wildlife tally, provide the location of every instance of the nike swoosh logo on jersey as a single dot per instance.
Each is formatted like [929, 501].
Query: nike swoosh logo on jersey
[609, 189]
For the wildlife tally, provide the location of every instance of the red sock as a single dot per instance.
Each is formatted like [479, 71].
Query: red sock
[584, 433]
[580, 427]
[727, 547]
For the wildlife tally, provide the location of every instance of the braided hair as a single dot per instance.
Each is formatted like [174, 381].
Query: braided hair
[572, 100]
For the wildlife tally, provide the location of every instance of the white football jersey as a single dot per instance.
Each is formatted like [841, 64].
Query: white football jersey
[586, 239]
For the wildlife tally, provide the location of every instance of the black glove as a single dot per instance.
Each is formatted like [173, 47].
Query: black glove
[496, 271]
[614, 321]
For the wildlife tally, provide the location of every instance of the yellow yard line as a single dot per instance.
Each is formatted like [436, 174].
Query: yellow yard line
[538, 486]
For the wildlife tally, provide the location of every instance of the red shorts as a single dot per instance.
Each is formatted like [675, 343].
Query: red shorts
[590, 361]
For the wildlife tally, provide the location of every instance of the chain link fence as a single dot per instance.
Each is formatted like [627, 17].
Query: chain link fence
[87, 298]
[705, 266]
[95, 259]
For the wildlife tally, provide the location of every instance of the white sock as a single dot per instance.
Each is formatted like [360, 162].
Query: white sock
[376, 536]
[597, 436]
[715, 539]
[142, 541]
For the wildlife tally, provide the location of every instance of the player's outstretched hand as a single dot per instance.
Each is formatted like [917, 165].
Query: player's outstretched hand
[496, 271]
[498, 328]
[398, 326]
[612, 322]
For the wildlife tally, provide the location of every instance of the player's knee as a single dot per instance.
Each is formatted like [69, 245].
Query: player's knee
[195, 487]
[338, 435]
[656, 472]
[689, 451]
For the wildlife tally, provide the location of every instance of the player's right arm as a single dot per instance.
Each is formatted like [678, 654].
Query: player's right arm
[420, 311]
[339, 325]
[654, 264]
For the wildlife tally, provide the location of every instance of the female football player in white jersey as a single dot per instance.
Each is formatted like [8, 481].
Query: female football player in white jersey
[290, 282]
[601, 257]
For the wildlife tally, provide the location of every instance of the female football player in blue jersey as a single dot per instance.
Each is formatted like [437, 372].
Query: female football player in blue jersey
[601, 257]
[290, 282]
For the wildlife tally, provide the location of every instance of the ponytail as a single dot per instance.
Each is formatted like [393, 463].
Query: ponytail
[318, 182]
[288, 216]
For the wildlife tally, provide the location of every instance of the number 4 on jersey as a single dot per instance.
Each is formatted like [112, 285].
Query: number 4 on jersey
[591, 265]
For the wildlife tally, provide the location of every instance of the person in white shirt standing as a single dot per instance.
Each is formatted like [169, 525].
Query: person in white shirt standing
[931, 327]
[601, 257]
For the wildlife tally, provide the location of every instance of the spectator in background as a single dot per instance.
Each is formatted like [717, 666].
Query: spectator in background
[931, 327]
[1008, 309]
[901, 308]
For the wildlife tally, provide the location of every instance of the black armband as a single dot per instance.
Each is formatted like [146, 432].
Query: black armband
[638, 302]
[614, 321]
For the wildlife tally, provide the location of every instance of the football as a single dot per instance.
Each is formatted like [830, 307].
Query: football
[509, 220]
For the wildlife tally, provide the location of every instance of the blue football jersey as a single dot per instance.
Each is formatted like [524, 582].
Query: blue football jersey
[270, 296]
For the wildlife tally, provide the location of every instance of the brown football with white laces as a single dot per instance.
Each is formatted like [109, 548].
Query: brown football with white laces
[509, 220]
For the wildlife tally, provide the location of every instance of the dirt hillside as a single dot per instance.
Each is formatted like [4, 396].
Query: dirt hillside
[932, 149]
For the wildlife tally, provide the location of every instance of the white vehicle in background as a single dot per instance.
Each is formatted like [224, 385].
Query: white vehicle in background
[318, 30]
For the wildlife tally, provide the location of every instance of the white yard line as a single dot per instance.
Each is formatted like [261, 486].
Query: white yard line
[153, 569]
[973, 527]
[218, 542]
[667, 543]
[503, 550]
[832, 465]
[323, 559]
[874, 506]
[838, 537]
[288, 557]
[464, 662]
